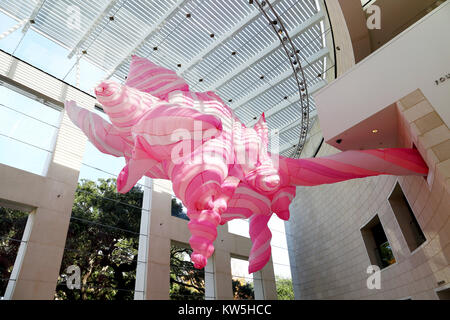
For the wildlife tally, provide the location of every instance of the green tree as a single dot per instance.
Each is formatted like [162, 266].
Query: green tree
[107, 256]
[177, 209]
[242, 290]
[12, 226]
[285, 290]
[186, 282]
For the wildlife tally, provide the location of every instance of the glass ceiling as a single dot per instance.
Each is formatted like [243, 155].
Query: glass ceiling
[224, 46]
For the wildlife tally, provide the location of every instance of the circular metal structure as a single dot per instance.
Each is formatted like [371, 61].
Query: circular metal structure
[292, 54]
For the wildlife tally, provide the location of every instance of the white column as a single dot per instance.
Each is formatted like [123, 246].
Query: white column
[142, 260]
[210, 282]
[258, 286]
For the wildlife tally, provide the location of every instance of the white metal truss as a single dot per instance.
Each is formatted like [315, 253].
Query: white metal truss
[229, 35]
[33, 15]
[157, 26]
[282, 77]
[267, 51]
[294, 142]
[92, 27]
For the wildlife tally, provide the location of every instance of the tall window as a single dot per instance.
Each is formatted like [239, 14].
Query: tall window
[186, 282]
[406, 219]
[12, 227]
[28, 130]
[178, 209]
[377, 245]
[243, 288]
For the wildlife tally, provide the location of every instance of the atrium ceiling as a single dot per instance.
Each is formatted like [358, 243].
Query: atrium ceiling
[225, 46]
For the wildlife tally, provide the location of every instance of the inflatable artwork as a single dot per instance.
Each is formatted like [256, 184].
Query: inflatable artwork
[220, 169]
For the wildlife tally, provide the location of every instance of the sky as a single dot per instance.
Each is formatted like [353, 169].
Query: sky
[23, 119]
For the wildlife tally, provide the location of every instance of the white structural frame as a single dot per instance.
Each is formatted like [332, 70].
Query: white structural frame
[224, 38]
[140, 287]
[92, 27]
[267, 51]
[158, 25]
[33, 15]
[282, 77]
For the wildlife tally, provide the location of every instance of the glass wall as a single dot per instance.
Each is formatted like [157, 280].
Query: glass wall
[28, 130]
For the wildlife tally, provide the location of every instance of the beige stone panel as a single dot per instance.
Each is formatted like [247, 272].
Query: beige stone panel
[418, 111]
[435, 136]
[222, 275]
[39, 265]
[33, 290]
[421, 199]
[50, 227]
[428, 122]
[158, 285]
[159, 249]
[178, 230]
[412, 99]
[444, 235]
[442, 150]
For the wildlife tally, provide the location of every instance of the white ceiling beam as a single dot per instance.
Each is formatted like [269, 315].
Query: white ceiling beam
[93, 26]
[288, 145]
[224, 38]
[282, 77]
[294, 98]
[267, 51]
[33, 15]
[295, 123]
[154, 29]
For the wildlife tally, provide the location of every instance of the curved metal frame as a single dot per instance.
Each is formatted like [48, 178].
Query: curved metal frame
[294, 60]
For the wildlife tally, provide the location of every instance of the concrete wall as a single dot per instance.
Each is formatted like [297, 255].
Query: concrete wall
[326, 246]
[398, 15]
[415, 59]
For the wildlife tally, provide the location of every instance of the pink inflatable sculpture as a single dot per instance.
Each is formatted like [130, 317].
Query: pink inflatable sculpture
[220, 169]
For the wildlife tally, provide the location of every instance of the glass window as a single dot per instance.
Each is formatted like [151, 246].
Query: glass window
[406, 219]
[186, 282]
[28, 130]
[242, 281]
[178, 209]
[12, 227]
[377, 245]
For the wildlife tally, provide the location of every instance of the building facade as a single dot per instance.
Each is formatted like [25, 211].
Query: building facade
[401, 225]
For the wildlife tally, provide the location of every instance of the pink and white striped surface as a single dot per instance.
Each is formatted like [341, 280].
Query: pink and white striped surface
[220, 169]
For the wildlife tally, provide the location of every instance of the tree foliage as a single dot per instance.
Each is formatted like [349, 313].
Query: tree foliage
[242, 290]
[12, 226]
[186, 282]
[177, 209]
[102, 240]
[285, 290]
